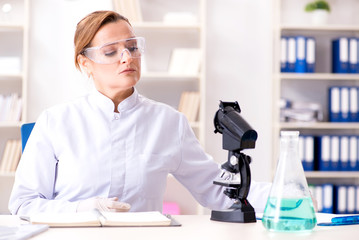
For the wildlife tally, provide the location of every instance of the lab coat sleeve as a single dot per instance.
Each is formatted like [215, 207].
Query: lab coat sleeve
[197, 171]
[33, 189]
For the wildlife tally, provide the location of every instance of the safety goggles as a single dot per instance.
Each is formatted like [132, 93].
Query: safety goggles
[113, 52]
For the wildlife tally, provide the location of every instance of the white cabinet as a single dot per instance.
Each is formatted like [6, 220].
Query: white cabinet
[14, 28]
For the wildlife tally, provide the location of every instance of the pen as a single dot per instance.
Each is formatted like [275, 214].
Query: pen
[346, 219]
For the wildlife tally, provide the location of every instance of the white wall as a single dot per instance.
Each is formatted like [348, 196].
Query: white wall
[239, 64]
[239, 44]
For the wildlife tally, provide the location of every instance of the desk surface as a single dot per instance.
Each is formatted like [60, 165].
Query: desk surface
[193, 227]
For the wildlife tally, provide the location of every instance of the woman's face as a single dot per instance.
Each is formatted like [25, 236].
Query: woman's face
[119, 76]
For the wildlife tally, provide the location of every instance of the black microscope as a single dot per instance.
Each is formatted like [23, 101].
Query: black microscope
[237, 135]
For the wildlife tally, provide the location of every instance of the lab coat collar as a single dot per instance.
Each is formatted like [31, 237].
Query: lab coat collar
[106, 105]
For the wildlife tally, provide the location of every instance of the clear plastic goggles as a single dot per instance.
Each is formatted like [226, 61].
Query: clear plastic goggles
[113, 52]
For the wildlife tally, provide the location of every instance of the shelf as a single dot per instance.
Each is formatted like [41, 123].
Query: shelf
[166, 75]
[318, 76]
[11, 27]
[338, 174]
[7, 174]
[162, 25]
[319, 125]
[320, 28]
[10, 124]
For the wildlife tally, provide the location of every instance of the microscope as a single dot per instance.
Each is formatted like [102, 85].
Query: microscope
[237, 135]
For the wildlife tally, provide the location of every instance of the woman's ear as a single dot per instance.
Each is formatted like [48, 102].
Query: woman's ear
[84, 64]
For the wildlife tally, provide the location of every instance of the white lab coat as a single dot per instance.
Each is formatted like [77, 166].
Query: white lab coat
[83, 149]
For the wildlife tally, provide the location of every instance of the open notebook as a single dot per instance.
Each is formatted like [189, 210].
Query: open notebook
[96, 218]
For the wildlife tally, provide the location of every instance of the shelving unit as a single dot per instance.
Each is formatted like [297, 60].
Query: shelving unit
[14, 33]
[161, 39]
[290, 19]
[158, 84]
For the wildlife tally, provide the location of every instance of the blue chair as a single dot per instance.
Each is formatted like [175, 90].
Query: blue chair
[26, 129]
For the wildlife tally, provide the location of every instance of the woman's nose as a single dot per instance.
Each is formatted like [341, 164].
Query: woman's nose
[125, 55]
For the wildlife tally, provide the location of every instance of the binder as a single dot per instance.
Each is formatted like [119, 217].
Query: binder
[310, 55]
[300, 61]
[319, 196]
[291, 54]
[324, 153]
[353, 104]
[344, 104]
[283, 54]
[353, 153]
[308, 153]
[341, 199]
[327, 198]
[353, 55]
[350, 199]
[344, 153]
[334, 104]
[340, 58]
[334, 153]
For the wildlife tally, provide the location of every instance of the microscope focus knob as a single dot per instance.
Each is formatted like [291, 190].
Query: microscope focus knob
[233, 160]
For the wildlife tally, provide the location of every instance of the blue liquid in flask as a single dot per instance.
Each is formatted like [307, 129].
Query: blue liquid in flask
[289, 214]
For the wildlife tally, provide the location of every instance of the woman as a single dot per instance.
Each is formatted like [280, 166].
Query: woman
[113, 148]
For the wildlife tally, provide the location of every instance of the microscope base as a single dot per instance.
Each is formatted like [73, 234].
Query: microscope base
[233, 215]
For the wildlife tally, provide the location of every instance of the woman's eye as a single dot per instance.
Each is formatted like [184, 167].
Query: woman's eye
[110, 54]
[132, 49]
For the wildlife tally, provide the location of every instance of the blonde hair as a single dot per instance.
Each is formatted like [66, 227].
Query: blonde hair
[88, 27]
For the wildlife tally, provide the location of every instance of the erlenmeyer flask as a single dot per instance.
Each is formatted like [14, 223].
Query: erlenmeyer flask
[289, 206]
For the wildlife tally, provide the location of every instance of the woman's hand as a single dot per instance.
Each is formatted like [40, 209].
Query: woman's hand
[103, 204]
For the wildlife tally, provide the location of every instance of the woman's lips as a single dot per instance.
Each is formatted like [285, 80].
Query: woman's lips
[127, 70]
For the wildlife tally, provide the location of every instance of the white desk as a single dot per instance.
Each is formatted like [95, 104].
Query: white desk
[196, 227]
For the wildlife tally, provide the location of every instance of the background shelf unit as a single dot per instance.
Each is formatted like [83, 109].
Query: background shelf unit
[290, 19]
[14, 34]
[159, 84]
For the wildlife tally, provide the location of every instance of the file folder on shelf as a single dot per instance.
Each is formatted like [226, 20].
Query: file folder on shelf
[341, 199]
[353, 104]
[300, 61]
[344, 154]
[340, 58]
[334, 153]
[324, 153]
[327, 198]
[353, 55]
[310, 55]
[283, 54]
[291, 54]
[334, 104]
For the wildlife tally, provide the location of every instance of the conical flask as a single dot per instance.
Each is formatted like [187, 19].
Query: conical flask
[289, 205]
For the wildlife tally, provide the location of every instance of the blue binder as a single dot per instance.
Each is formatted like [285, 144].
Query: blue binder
[353, 153]
[334, 153]
[310, 54]
[340, 199]
[334, 104]
[353, 104]
[283, 54]
[351, 199]
[344, 164]
[291, 54]
[353, 55]
[300, 61]
[327, 198]
[340, 58]
[324, 153]
[344, 104]
[308, 153]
